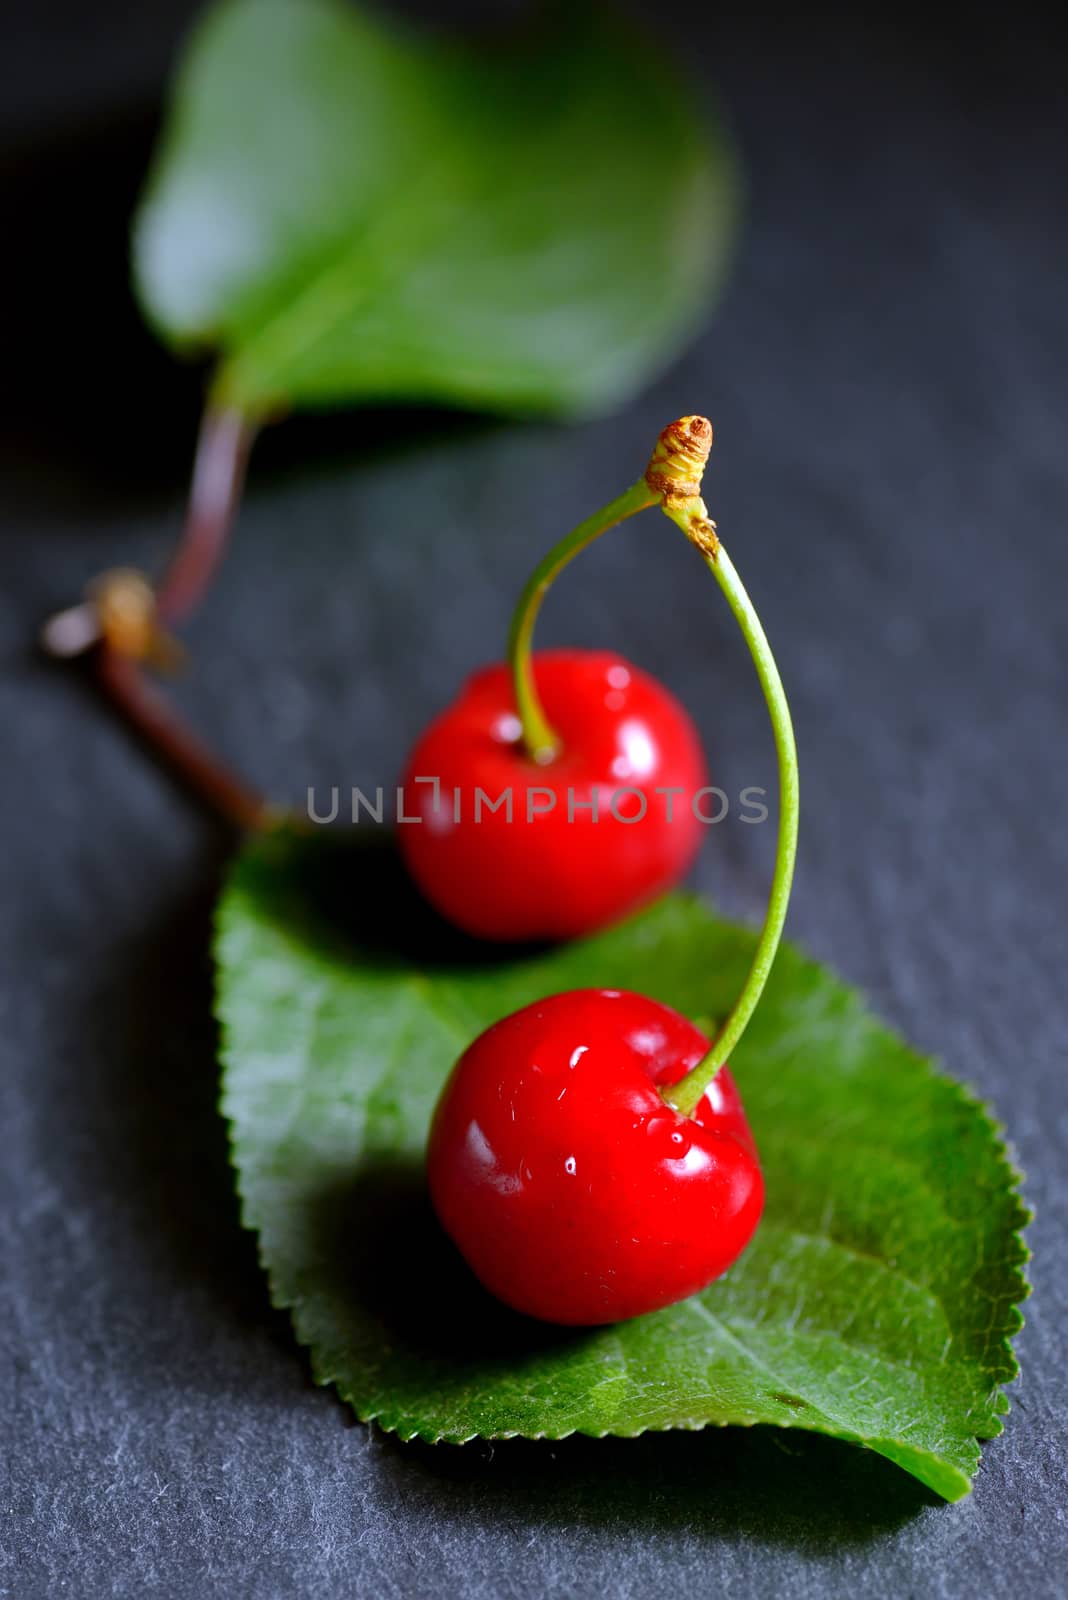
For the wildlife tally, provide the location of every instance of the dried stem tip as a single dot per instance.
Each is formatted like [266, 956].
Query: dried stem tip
[678, 462]
[674, 475]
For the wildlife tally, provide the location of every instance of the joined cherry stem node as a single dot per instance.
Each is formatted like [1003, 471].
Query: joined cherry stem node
[673, 480]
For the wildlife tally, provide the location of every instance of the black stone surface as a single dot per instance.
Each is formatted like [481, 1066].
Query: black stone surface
[887, 380]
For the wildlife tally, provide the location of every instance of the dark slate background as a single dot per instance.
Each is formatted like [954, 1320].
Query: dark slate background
[887, 380]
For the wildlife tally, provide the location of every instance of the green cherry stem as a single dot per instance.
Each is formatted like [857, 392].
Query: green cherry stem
[686, 1094]
[675, 474]
[539, 739]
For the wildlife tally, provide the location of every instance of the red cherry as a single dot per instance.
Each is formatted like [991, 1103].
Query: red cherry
[552, 872]
[573, 1191]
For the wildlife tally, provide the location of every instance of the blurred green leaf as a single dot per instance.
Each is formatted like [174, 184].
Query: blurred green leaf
[876, 1304]
[348, 211]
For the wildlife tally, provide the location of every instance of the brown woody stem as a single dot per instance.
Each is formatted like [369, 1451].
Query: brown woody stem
[121, 621]
[223, 448]
[148, 711]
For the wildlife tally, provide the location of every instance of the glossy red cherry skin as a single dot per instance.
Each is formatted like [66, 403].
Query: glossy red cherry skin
[551, 876]
[572, 1190]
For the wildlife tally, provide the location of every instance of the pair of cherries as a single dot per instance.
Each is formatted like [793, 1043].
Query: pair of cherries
[589, 1156]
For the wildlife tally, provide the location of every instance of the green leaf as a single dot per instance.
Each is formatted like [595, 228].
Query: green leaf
[352, 212]
[876, 1304]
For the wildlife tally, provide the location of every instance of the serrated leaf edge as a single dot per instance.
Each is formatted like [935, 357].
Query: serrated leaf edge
[408, 1429]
